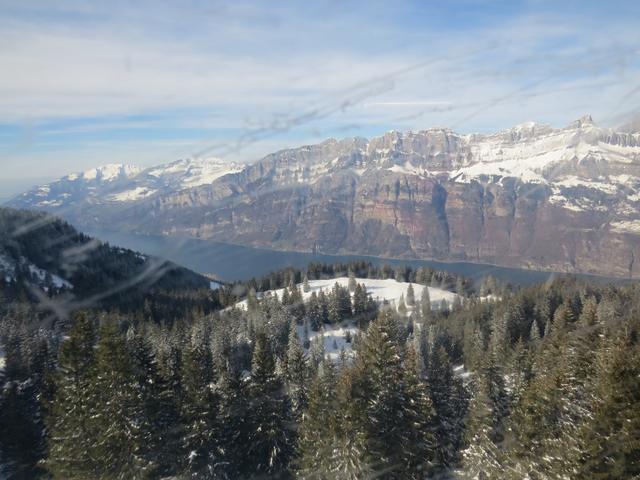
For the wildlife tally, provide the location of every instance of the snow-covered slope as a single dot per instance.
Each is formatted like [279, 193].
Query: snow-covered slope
[124, 184]
[193, 172]
[39, 276]
[334, 337]
[379, 289]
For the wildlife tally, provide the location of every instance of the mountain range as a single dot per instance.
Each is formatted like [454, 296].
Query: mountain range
[533, 196]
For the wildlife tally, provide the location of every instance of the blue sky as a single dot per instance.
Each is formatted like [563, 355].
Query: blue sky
[147, 82]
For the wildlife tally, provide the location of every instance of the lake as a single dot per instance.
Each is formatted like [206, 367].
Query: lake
[236, 262]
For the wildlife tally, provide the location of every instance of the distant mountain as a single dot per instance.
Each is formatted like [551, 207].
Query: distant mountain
[533, 196]
[122, 184]
[39, 253]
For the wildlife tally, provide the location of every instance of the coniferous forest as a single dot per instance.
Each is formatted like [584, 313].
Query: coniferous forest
[538, 382]
[334, 240]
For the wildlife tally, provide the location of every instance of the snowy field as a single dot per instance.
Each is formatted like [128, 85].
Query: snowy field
[333, 336]
[380, 290]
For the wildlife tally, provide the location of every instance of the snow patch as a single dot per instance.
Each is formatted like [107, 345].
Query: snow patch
[333, 338]
[196, 171]
[626, 226]
[573, 181]
[110, 172]
[137, 193]
[55, 279]
[409, 169]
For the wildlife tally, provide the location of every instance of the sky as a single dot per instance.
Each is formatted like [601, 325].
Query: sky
[148, 82]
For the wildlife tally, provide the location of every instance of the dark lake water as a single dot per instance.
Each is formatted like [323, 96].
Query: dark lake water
[235, 262]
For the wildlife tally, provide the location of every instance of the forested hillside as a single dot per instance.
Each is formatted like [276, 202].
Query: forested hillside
[44, 258]
[542, 382]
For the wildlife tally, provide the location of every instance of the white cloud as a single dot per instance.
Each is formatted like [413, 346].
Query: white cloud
[270, 73]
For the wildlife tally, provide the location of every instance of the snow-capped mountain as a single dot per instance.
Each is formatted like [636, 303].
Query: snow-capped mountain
[566, 199]
[117, 183]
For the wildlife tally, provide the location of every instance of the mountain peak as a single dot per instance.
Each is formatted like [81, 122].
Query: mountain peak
[195, 171]
[107, 173]
[584, 121]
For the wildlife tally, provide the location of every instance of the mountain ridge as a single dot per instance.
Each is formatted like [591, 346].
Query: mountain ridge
[494, 198]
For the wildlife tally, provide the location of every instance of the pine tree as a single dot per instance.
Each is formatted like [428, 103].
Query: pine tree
[296, 372]
[159, 409]
[324, 306]
[425, 304]
[116, 422]
[319, 425]
[316, 352]
[314, 312]
[449, 403]
[199, 407]
[305, 284]
[411, 297]
[68, 422]
[270, 444]
[285, 298]
[395, 412]
[339, 307]
[402, 307]
[419, 443]
[234, 421]
[610, 439]
[482, 457]
[22, 442]
[537, 416]
[359, 301]
[444, 307]
[534, 332]
[352, 282]
[252, 300]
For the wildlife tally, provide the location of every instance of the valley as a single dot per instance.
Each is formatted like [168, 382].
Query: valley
[530, 197]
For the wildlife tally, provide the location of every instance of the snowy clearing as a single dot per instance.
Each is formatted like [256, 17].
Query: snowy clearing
[380, 289]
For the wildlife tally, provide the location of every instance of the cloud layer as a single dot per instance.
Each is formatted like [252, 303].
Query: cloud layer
[153, 81]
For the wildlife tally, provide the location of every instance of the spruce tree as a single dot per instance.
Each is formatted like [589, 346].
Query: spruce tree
[314, 312]
[411, 296]
[235, 422]
[425, 304]
[395, 412]
[359, 302]
[449, 402]
[610, 436]
[419, 443]
[117, 422]
[482, 457]
[402, 307]
[352, 282]
[70, 453]
[318, 425]
[296, 372]
[162, 432]
[270, 444]
[201, 448]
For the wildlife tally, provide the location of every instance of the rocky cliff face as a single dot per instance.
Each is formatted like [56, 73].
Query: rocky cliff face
[532, 196]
